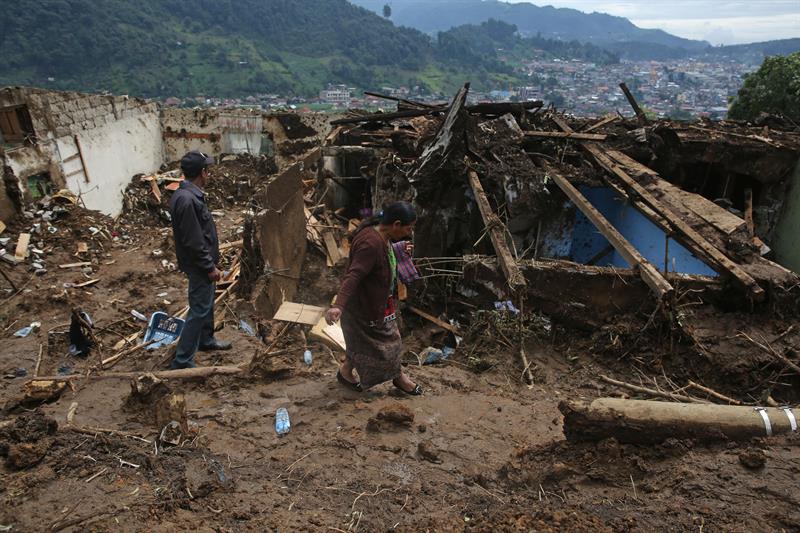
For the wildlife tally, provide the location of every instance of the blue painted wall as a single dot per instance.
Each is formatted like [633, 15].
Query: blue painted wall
[638, 230]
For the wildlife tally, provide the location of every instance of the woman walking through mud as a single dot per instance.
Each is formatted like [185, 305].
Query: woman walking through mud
[366, 306]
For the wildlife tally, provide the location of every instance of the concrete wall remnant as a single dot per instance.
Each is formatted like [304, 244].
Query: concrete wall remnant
[118, 137]
[218, 131]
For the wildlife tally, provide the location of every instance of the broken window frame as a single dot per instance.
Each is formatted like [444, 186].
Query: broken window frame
[16, 127]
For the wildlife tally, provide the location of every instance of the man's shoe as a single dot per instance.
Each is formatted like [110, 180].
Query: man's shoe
[215, 345]
[176, 366]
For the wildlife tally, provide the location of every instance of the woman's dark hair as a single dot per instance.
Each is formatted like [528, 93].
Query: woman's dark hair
[402, 212]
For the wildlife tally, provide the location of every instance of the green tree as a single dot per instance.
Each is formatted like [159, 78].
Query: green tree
[773, 88]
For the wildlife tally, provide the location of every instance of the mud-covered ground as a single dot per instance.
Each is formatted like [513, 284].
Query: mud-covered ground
[480, 451]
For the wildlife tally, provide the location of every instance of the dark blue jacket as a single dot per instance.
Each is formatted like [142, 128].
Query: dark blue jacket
[196, 242]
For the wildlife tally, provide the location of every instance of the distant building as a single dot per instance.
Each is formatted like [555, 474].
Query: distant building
[339, 95]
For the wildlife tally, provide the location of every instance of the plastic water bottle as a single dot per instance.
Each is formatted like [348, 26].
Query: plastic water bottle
[282, 423]
[307, 357]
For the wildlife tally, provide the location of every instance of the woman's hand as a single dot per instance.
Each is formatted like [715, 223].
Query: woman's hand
[333, 315]
[409, 248]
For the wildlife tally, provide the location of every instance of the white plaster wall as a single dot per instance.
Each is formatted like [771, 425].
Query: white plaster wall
[113, 154]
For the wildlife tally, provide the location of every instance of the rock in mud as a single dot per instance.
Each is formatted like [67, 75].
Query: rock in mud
[392, 416]
[753, 459]
[428, 452]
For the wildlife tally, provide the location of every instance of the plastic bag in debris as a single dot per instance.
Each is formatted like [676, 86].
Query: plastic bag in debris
[27, 330]
[247, 328]
[431, 355]
[506, 305]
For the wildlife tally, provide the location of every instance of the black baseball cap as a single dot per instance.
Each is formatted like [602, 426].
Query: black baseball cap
[195, 161]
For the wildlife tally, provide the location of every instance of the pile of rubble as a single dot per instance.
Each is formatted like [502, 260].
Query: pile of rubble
[550, 197]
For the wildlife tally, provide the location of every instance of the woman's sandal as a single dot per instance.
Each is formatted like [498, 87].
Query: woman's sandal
[416, 391]
[349, 384]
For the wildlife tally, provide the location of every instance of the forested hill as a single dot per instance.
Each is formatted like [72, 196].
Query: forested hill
[432, 16]
[223, 48]
[499, 40]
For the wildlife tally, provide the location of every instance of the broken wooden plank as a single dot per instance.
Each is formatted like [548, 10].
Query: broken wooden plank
[640, 116]
[332, 248]
[608, 119]
[446, 139]
[496, 230]
[720, 218]
[23, 241]
[384, 117]
[566, 135]
[739, 135]
[430, 318]
[486, 108]
[76, 265]
[400, 100]
[84, 284]
[156, 190]
[299, 313]
[649, 273]
[720, 260]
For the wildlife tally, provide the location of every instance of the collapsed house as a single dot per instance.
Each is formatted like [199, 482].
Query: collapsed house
[92, 144]
[582, 218]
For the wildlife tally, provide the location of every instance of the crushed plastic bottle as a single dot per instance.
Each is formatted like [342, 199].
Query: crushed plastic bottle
[282, 423]
[307, 357]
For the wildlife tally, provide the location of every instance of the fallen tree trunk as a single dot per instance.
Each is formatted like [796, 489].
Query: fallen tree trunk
[644, 421]
[183, 373]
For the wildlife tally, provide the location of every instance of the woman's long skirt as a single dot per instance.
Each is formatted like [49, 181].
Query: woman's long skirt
[374, 351]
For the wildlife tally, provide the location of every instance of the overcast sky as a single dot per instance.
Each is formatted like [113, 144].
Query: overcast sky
[716, 21]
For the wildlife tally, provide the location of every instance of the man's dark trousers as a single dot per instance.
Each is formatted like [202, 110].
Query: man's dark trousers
[199, 327]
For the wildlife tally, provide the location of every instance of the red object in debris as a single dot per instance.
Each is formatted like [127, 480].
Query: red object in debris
[173, 185]
[115, 234]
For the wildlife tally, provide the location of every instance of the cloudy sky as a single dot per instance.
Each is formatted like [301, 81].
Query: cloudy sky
[716, 21]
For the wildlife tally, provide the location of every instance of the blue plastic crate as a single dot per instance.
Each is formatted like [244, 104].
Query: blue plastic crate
[163, 329]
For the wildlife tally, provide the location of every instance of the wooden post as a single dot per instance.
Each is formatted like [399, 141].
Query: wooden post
[647, 271]
[497, 233]
[645, 421]
[719, 259]
[640, 116]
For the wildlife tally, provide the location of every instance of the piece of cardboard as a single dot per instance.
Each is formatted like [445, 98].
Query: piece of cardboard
[22, 246]
[299, 313]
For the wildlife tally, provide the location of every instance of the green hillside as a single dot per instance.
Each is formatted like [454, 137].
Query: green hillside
[223, 48]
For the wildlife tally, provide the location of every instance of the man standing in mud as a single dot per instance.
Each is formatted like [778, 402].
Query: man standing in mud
[197, 250]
